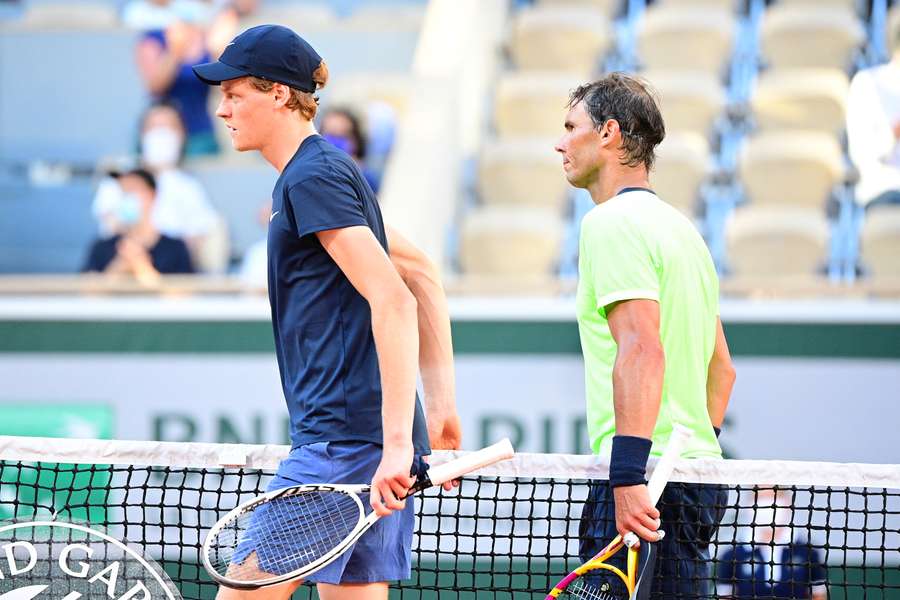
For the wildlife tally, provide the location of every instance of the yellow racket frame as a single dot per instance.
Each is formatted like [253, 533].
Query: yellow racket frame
[599, 562]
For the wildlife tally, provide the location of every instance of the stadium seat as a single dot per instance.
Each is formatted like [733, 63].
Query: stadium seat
[237, 187]
[772, 241]
[811, 99]
[682, 165]
[563, 39]
[387, 17]
[214, 254]
[300, 17]
[522, 173]
[679, 37]
[532, 104]
[880, 241]
[893, 28]
[689, 100]
[358, 90]
[70, 15]
[521, 242]
[790, 168]
[810, 35]
[845, 4]
[90, 122]
[607, 7]
[729, 5]
[30, 242]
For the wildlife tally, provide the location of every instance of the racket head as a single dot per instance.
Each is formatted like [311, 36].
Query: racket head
[616, 573]
[284, 535]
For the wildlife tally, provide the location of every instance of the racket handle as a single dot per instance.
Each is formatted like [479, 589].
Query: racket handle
[472, 461]
[666, 464]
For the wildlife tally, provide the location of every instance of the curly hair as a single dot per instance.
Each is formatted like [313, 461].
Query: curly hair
[632, 103]
[306, 103]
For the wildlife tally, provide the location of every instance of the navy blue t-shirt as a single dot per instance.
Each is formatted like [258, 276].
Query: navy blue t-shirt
[323, 326]
[168, 255]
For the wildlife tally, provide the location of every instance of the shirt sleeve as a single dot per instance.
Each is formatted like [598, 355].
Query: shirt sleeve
[622, 264]
[320, 204]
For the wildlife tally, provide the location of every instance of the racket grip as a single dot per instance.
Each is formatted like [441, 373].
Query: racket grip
[472, 461]
[666, 464]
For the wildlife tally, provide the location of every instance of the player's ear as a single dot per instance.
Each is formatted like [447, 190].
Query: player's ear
[280, 94]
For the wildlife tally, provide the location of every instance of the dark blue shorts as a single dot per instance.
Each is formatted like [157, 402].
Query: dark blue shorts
[690, 515]
[383, 553]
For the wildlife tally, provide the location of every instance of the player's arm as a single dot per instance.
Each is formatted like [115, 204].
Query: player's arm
[368, 267]
[435, 345]
[719, 378]
[637, 394]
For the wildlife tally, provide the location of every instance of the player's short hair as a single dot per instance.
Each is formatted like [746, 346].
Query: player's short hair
[632, 103]
[306, 103]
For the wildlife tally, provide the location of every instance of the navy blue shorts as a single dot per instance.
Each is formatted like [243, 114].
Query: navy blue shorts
[690, 515]
[383, 553]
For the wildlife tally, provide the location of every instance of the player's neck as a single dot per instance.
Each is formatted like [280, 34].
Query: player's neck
[615, 178]
[281, 148]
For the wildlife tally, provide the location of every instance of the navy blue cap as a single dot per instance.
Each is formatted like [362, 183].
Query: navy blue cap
[270, 52]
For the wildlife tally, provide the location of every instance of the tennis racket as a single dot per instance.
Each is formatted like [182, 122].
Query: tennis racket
[635, 582]
[291, 533]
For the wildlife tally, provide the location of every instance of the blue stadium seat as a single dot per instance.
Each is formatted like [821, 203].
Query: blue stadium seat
[45, 229]
[237, 191]
[68, 96]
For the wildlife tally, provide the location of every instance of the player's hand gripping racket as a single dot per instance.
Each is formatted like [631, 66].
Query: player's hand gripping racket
[293, 532]
[638, 576]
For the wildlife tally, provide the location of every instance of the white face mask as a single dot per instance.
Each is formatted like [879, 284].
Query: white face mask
[161, 147]
[129, 209]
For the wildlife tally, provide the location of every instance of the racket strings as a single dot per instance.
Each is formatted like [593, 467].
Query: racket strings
[583, 590]
[284, 535]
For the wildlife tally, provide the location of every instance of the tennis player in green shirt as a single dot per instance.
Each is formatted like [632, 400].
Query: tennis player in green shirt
[654, 350]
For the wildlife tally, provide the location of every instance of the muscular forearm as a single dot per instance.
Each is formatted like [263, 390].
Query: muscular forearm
[637, 388]
[719, 383]
[396, 341]
[435, 343]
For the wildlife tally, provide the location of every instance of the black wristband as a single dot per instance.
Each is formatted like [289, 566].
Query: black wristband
[718, 431]
[628, 460]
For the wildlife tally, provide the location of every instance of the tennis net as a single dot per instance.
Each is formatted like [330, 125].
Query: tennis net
[788, 529]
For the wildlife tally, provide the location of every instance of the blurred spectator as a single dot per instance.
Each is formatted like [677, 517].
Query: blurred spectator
[873, 132]
[254, 271]
[773, 565]
[140, 250]
[182, 209]
[165, 57]
[341, 127]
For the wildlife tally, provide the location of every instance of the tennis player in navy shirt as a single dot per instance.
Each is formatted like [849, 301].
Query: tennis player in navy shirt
[356, 312]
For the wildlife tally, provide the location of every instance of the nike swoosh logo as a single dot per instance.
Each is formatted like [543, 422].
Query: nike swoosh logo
[273, 215]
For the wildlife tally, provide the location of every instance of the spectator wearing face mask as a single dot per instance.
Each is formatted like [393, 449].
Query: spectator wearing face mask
[140, 249]
[164, 56]
[341, 127]
[182, 208]
[774, 564]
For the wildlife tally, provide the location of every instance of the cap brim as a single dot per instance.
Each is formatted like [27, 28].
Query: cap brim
[215, 73]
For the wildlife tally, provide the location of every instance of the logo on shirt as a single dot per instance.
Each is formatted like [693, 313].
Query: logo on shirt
[273, 215]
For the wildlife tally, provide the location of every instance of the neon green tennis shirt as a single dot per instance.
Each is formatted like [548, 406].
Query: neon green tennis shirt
[635, 246]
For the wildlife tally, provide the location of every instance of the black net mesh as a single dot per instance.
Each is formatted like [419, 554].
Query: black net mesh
[512, 537]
